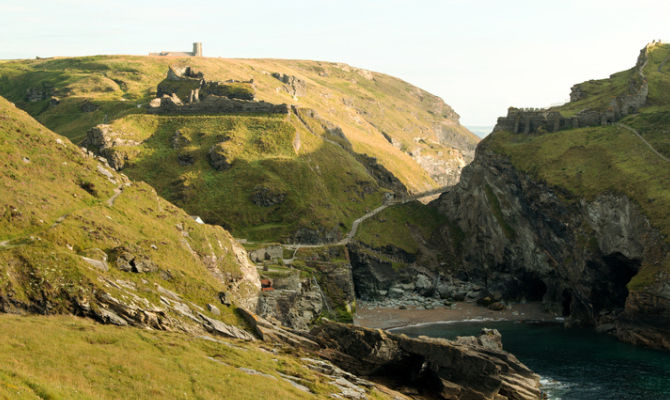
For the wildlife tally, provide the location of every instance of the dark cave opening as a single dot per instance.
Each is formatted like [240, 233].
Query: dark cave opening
[566, 302]
[531, 287]
[613, 274]
[411, 371]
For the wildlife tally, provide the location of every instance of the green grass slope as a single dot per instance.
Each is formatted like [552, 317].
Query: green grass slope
[406, 226]
[71, 358]
[325, 184]
[56, 208]
[608, 159]
[366, 105]
[324, 188]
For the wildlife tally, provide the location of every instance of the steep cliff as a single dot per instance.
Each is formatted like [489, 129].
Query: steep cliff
[575, 218]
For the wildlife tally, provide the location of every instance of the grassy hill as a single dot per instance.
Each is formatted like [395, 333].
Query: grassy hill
[61, 209]
[608, 159]
[67, 224]
[72, 358]
[324, 181]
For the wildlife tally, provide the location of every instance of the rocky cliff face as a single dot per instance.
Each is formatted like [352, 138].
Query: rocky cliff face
[297, 299]
[292, 301]
[437, 368]
[523, 239]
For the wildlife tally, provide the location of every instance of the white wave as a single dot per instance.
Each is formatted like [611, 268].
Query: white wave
[448, 322]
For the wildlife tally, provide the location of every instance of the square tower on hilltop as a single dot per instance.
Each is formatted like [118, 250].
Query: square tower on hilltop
[197, 49]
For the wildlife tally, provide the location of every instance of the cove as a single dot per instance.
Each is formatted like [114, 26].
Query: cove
[575, 364]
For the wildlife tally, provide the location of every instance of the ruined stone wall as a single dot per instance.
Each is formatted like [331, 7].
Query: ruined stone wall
[214, 105]
[528, 121]
[185, 91]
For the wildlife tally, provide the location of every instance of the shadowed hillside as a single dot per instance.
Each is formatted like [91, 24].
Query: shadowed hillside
[353, 136]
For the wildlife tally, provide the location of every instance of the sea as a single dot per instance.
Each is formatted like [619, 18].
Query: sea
[575, 364]
[480, 130]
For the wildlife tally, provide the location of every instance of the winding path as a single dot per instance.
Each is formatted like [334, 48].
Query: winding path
[117, 192]
[357, 222]
[661, 156]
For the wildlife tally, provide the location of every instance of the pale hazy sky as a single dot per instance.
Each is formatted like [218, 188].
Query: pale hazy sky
[479, 56]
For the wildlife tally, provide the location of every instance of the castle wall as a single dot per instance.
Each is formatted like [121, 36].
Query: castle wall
[528, 121]
[214, 105]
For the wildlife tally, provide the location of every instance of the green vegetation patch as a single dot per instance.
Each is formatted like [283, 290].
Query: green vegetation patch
[72, 358]
[262, 190]
[56, 208]
[598, 94]
[401, 226]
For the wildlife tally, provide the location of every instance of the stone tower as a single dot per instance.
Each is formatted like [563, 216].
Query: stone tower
[197, 49]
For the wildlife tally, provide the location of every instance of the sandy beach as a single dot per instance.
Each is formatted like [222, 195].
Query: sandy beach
[385, 318]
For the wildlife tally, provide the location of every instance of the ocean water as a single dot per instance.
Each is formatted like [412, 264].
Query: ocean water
[480, 130]
[575, 364]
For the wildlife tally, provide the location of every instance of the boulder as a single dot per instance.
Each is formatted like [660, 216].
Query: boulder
[127, 260]
[155, 103]
[424, 285]
[219, 158]
[266, 197]
[213, 309]
[179, 139]
[396, 292]
[490, 338]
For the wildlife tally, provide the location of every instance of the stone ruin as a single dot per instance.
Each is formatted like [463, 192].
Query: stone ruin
[197, 52]
[540, 120]
[185, 91]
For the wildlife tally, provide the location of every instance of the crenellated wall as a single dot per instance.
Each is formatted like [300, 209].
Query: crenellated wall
[542, 120]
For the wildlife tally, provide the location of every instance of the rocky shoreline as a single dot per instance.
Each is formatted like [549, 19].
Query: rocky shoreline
[378, 315]
[468, 368]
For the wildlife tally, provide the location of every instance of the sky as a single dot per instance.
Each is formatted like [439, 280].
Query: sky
[480, 56]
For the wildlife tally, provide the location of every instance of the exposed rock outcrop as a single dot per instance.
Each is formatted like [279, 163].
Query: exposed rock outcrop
[443, 171]
[103, 140]
[296, 87]
[525, 240]
[266, 197]
[219, 157]
[294, 301]
[317, 235]
[128, 260]
[214, 105]
[375, 276]
[435, 367]
[39, 93]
